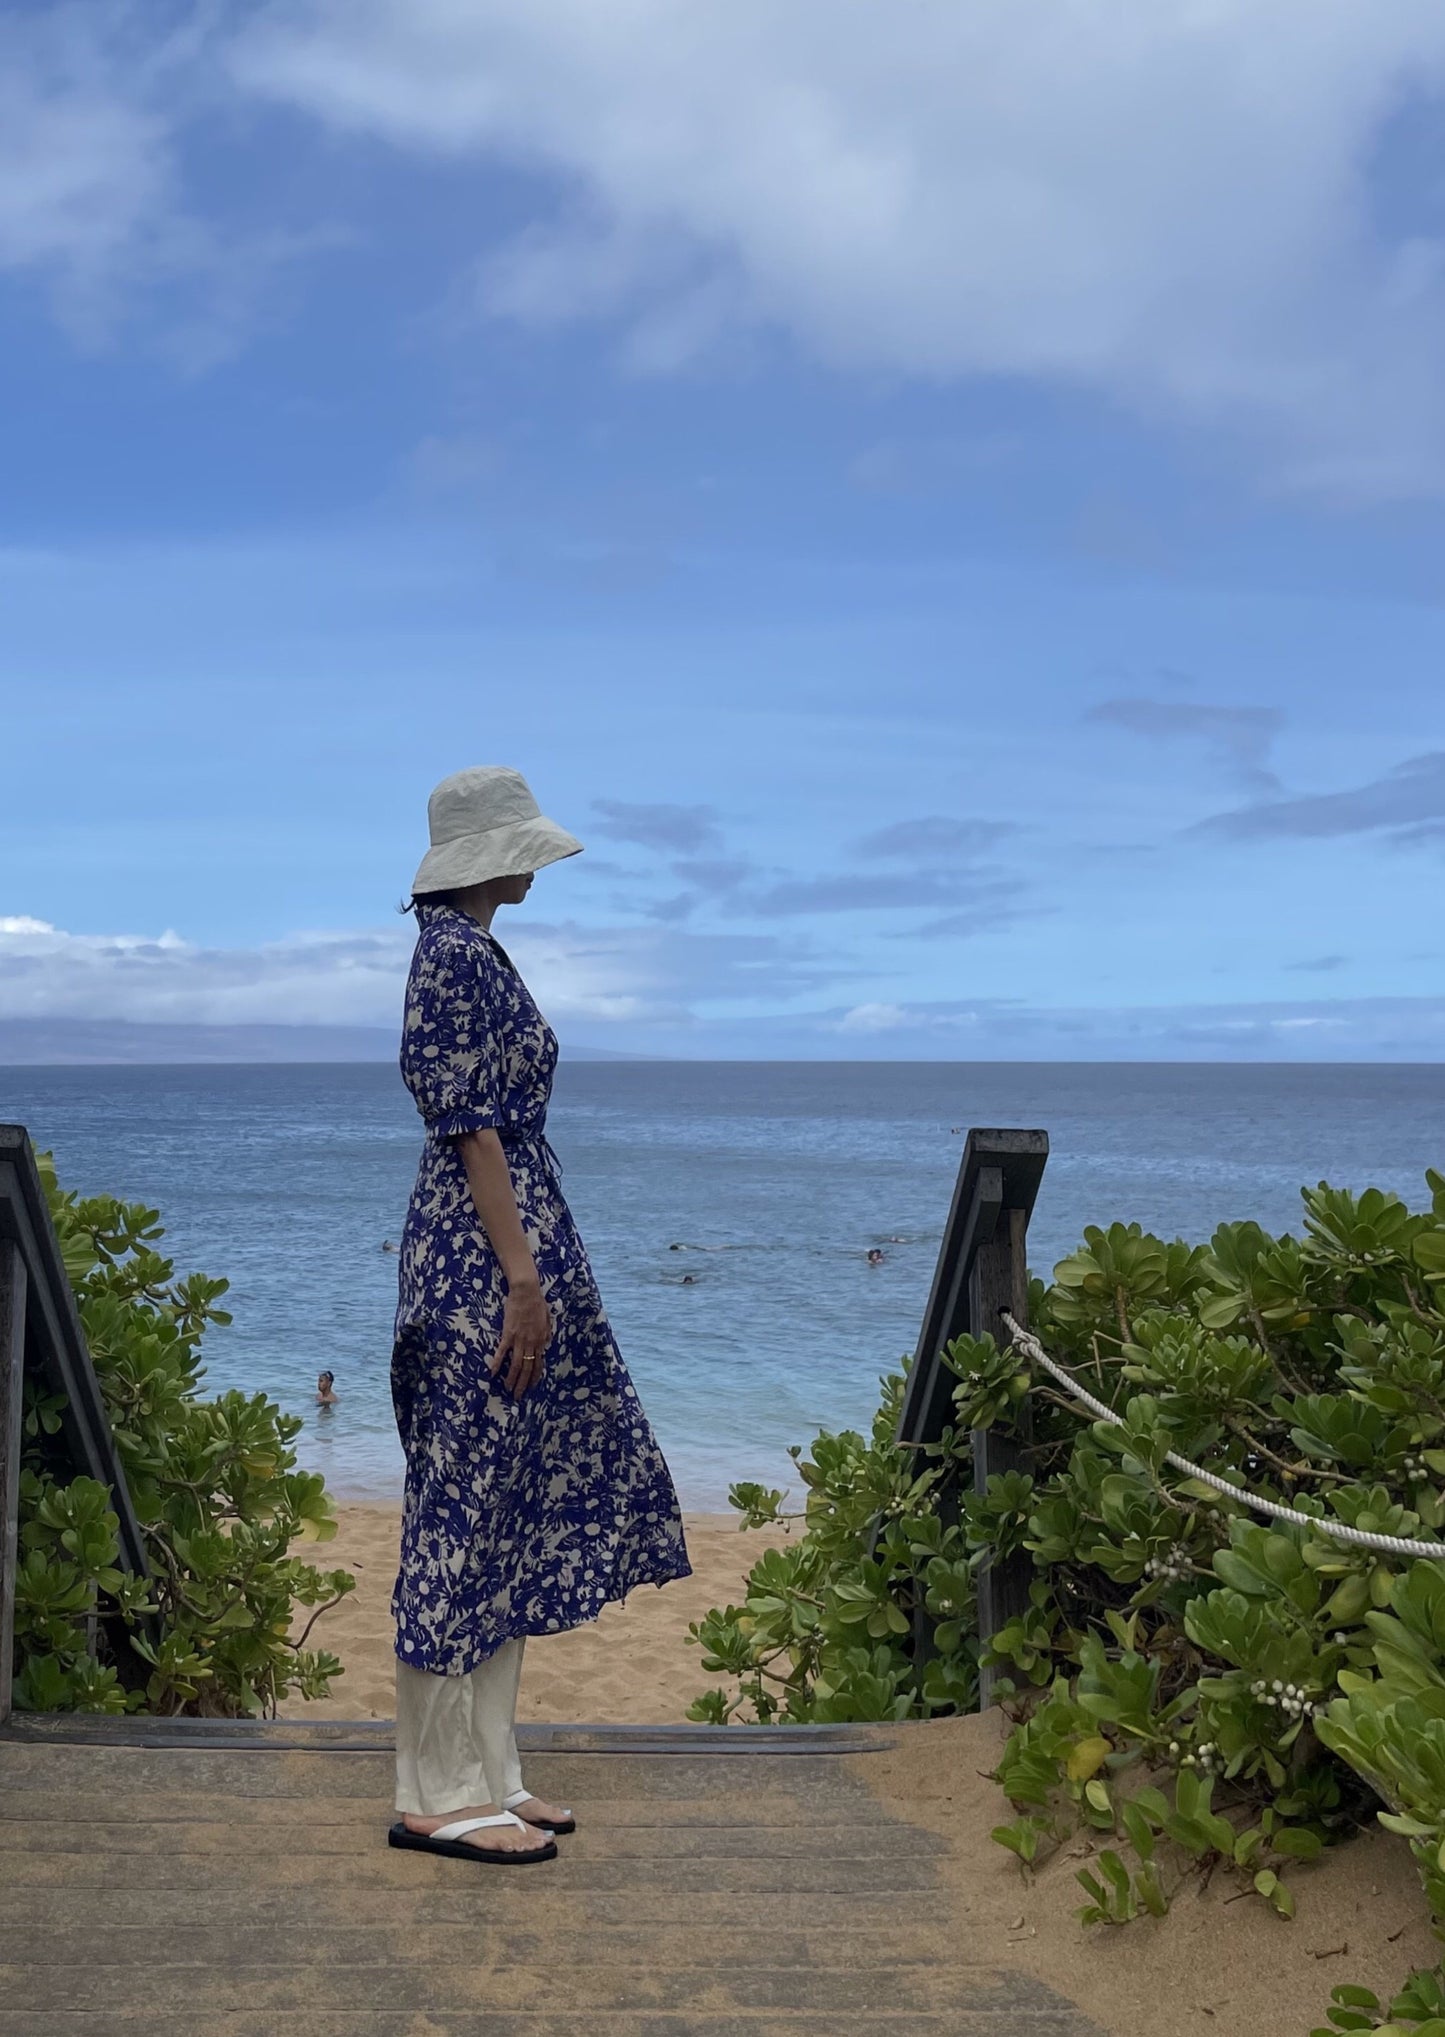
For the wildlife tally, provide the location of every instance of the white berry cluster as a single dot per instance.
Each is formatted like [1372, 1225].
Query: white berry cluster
[1292, 1698]
[1416, 1467]
[1172, 1567]
[1206, 1757]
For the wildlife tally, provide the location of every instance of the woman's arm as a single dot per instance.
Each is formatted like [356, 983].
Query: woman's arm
[526, 1320]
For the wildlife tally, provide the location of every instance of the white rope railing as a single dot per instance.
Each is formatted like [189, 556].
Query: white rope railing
[1028, 1343]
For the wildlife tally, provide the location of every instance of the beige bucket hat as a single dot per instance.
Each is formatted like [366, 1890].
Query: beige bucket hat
[485, 823]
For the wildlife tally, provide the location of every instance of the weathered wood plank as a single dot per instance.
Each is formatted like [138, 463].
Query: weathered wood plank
[996, 2020]
[328, 1942]
[242, 1983]
[380, 1867]
[665, 1778]
[133, 1841]
[287, 1818]
[278, 1736]
[577, 1914]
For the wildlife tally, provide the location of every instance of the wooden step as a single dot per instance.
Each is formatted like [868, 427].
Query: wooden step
[238, 1981]
[1000, 2018]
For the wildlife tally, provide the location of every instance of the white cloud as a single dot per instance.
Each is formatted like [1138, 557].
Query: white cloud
[1007, 1029]
[96, 101]
[85, 164]
[308, 979]
[1175, 206]
[1170, 205]
[873, 1018]
[580, 976]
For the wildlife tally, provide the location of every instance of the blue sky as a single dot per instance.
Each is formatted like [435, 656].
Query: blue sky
[948, 510]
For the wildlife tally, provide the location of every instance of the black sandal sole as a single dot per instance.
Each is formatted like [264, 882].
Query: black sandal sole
[458, 1849]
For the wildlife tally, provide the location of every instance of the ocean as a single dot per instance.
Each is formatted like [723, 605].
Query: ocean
[767, 1181]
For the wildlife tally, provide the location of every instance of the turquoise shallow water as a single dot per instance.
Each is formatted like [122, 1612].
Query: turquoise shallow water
[775, 1178]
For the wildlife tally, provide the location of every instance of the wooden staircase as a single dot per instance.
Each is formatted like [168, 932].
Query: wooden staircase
[178, 1880]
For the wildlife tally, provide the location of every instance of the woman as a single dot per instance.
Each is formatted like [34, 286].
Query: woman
[535, 1491]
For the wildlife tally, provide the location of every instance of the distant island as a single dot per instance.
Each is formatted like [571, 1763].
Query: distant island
[67, 1042]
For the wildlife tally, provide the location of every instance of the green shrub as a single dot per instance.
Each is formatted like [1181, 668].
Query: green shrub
[215, 1488]
[1195, 1685]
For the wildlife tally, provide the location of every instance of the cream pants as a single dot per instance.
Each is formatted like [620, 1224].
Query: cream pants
[456, 1743]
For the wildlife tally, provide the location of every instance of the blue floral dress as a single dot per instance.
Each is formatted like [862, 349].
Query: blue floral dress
[520, 1516]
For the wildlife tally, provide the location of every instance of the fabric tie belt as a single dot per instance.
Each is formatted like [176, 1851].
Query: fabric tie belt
[512, 1135]
[525, 1135]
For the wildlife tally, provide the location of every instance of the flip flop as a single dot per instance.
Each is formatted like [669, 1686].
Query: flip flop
[566, 1823]
[450, 1841]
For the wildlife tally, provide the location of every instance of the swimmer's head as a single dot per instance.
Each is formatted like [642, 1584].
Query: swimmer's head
[325, 1382]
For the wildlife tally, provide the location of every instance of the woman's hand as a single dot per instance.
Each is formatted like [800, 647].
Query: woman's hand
[526, 1319]
[526, 1333]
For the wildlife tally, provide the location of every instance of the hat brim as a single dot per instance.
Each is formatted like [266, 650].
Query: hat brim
[508, 851]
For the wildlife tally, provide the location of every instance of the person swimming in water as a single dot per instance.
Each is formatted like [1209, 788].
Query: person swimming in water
[875, 1255]
[325, 1397]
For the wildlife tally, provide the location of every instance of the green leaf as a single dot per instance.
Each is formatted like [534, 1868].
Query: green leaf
[1151, 1894]
[1297, 1843]
[1085, 1759]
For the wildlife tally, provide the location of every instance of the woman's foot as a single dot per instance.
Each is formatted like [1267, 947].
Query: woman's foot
[495, 1838]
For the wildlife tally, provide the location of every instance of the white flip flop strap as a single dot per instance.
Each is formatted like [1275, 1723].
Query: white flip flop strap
[462, 1826]
[520, 1796]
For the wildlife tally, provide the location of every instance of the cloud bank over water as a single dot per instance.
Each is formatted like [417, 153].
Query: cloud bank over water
[626, 991]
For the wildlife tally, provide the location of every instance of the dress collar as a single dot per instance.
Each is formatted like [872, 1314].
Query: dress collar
[429, 911]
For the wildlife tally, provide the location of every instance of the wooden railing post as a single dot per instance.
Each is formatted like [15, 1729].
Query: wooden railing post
[982, 1268]
[40, 1331]
[1000, 1280]
[12, 1373]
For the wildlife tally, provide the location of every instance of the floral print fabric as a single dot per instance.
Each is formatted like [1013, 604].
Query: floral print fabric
[520, 1516]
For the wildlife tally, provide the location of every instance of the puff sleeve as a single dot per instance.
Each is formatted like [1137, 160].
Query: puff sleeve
[451, 1056]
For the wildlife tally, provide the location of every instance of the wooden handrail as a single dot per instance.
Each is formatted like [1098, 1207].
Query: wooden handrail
[982, 1268]
[40, 1332]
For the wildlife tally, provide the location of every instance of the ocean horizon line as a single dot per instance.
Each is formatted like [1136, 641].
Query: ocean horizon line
[612, 1056]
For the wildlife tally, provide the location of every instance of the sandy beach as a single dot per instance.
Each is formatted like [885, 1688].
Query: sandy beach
[634, 1664]
[1221, 1964]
